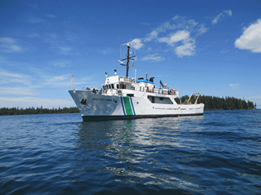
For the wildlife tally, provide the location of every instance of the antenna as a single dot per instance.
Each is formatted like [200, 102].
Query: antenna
[128, 44]
[128, 58]
[161, 84]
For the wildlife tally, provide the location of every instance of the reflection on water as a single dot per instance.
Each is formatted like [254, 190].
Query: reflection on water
[142, 151]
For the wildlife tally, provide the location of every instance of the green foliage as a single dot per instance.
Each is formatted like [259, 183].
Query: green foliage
[17, 111]
[217, 103]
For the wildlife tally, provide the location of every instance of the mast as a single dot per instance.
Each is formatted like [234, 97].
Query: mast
[128, 58]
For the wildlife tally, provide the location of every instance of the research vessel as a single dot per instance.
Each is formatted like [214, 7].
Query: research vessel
[123, 98]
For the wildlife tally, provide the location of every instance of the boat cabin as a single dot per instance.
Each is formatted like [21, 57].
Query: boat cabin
[116, 85]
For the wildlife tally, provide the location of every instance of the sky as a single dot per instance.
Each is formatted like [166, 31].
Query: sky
[212, 47]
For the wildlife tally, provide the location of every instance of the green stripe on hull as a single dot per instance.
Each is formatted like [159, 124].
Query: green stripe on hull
[127, 105]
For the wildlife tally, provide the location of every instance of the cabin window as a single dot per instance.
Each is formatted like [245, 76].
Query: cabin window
[152, 99]
[112, 86]
[130, 95]
[123, 86]
[159, 100]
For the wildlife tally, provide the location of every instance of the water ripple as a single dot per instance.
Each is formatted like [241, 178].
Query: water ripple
[218, 153]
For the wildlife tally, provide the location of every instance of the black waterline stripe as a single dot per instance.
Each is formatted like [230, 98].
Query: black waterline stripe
[118, 117]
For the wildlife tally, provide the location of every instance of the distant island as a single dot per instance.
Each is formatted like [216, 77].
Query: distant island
[211, 103]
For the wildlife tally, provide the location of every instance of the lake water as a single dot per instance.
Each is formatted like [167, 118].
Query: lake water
[217, 153]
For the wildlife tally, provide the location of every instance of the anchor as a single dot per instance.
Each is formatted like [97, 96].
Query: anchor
[83, 101]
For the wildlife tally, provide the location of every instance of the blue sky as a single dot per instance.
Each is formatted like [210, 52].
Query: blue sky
[212, 47]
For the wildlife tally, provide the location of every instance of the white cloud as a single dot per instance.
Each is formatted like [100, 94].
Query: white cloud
[186, 46]
[58, 81]
[153, 57]
[228, 12]
[217, 18]
[178, 33]
[221, 16]
[187, 49]
[137, 43]
[16, 91]
[176, 22]
[234, 86]
[26, 102]
[7, 78]
[9, 45]
[63, 81]
[151, 36]
[176, 37]
[251, 38]
[33, 83]
[166, 26]
[4, 73]
[15, 85]
[202, 29]
[57, 44]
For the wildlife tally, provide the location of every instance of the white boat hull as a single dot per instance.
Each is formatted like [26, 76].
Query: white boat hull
[95, 107]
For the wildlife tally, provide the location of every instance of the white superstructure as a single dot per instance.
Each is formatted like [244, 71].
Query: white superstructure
[130, 98]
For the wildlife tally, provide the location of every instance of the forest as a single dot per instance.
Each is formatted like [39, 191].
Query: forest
[211, 103]
[217, 103]
[41, 110]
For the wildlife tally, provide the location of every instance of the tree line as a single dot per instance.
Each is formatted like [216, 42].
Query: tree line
[41, 110]
[217, 103]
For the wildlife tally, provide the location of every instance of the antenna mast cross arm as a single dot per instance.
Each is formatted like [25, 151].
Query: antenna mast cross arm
[128, 58]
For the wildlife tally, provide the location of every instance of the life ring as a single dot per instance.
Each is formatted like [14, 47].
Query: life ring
[104, 91]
